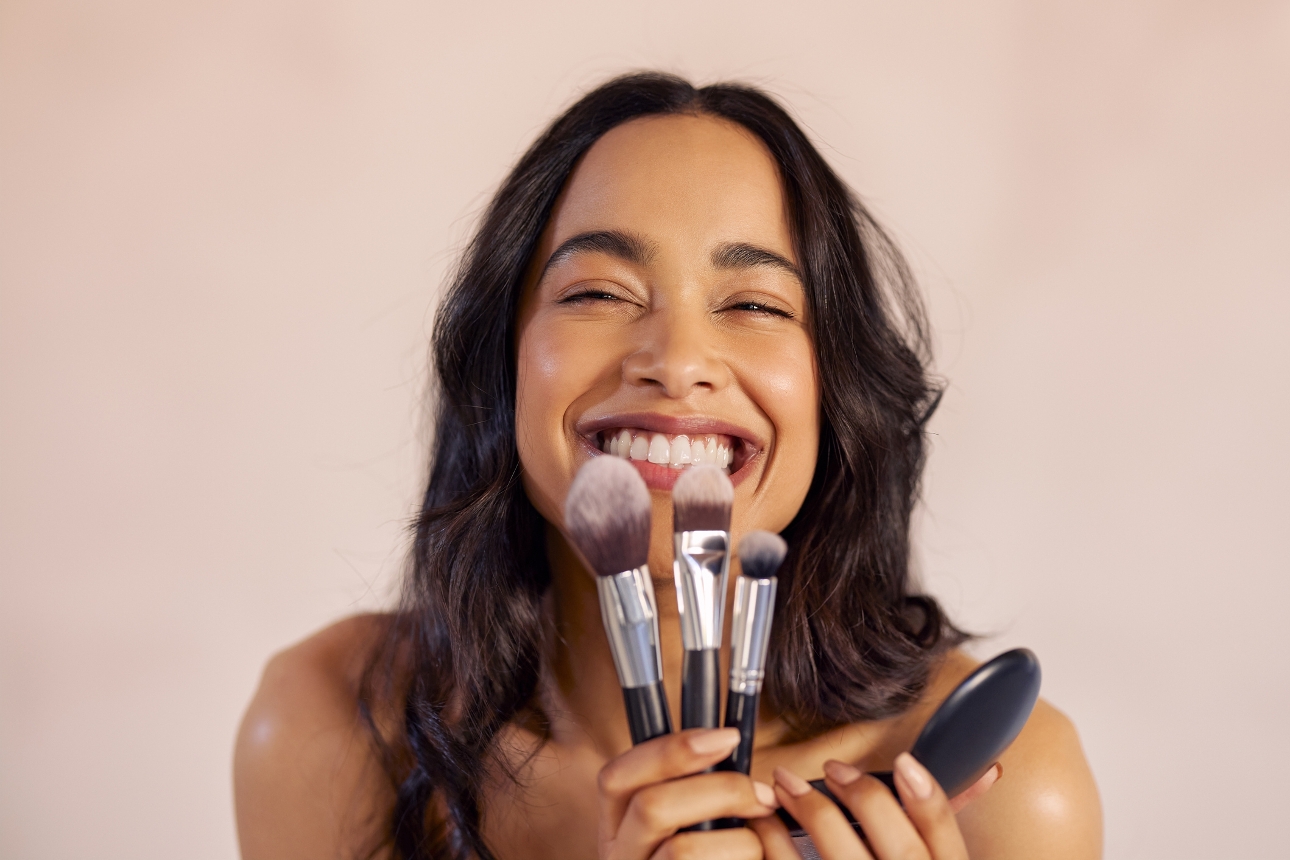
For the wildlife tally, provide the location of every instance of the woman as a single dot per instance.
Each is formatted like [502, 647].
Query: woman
[664, 261]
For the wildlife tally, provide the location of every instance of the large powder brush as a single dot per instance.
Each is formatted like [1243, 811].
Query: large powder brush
[607, 518]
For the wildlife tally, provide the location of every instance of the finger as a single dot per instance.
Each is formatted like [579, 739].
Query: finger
[659, 810]
[736, 844]
[663, 758]
[929, 809]
[775, 841]
[820, 817]
[886, 826]
[976, 789]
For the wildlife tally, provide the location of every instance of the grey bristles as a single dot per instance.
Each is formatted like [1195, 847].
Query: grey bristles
[761, 554]
[607, 515]
[701, 500]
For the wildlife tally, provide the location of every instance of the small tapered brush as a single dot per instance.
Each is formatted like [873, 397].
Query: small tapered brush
[607, 517]
[760, 555]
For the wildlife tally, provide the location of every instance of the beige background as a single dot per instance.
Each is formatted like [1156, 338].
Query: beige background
[222, 230]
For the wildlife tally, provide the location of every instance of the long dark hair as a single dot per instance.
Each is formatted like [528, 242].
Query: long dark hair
[851, 641]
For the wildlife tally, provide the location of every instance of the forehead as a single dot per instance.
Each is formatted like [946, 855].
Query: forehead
[680, 180]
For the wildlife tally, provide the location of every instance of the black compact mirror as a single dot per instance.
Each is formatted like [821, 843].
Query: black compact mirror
[971, 728]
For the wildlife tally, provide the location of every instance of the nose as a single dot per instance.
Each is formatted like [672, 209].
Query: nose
[676, 355]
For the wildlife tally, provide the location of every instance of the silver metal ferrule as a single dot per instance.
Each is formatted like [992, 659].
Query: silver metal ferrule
[631, 622]
[750, 632]
[700, 567]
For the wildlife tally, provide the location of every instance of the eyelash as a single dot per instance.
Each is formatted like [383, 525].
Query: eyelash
[762, 309]
[752, 307]
[587, 295]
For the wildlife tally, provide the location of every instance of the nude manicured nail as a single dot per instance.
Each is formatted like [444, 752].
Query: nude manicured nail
[714, 741]
[765, 794]
[792, 783]
[915, 775]
[841, 772]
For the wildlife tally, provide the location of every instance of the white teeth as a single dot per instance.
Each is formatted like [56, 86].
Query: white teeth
[659, 451]
[640, 448]
[680, 452]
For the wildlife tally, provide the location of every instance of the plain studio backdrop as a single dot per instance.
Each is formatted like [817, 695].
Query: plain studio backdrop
[224, 227]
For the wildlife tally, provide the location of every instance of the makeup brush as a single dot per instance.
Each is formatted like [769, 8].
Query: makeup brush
[607, 515]
[760, 555]
[701, 501]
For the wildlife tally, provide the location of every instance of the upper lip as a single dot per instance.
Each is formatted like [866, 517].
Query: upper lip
[671, 425]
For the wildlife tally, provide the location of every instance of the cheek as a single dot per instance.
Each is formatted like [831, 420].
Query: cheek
[785, 384]
[551, 373]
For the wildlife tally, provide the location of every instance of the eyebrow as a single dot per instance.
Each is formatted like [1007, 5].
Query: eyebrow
[615, 243]
[741, 255]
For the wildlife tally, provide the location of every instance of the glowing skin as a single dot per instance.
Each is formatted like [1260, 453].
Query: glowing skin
[684, 329]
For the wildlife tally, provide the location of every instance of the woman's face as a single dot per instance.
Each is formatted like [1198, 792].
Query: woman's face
[664, 321]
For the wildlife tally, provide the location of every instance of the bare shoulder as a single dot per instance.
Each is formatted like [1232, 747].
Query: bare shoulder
[306, 779]
[1045, 804]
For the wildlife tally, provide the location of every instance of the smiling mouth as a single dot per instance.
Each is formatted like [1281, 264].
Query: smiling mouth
[676, 451]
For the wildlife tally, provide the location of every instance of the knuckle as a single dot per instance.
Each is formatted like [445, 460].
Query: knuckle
[649, 809]
[609, 780]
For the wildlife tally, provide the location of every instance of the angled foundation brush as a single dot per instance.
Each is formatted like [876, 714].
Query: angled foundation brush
[760, 555]
[607, 516]
[701, 501]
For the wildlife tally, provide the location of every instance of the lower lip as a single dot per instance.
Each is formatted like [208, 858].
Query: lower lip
[657, 477]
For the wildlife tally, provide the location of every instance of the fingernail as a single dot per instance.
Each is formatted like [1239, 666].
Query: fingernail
[792, 783]
[841, 772]
[714, 741]
[765, 794]
[915, 775]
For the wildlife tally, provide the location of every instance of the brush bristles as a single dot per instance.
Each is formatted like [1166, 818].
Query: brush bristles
[761, 554]
[607, 515]
[701, 500]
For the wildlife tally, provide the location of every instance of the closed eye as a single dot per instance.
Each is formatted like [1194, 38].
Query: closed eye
[762, 309]
[587, 296]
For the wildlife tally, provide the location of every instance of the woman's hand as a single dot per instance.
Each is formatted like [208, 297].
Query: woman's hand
[653, 790]
[925, 829]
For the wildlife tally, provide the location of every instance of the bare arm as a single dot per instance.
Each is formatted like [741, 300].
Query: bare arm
[306, 780]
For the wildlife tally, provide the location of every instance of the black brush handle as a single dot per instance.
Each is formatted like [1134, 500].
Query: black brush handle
[700, 700]
[795, 829]
[647, 715]
[741, 714]
[700, 690]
